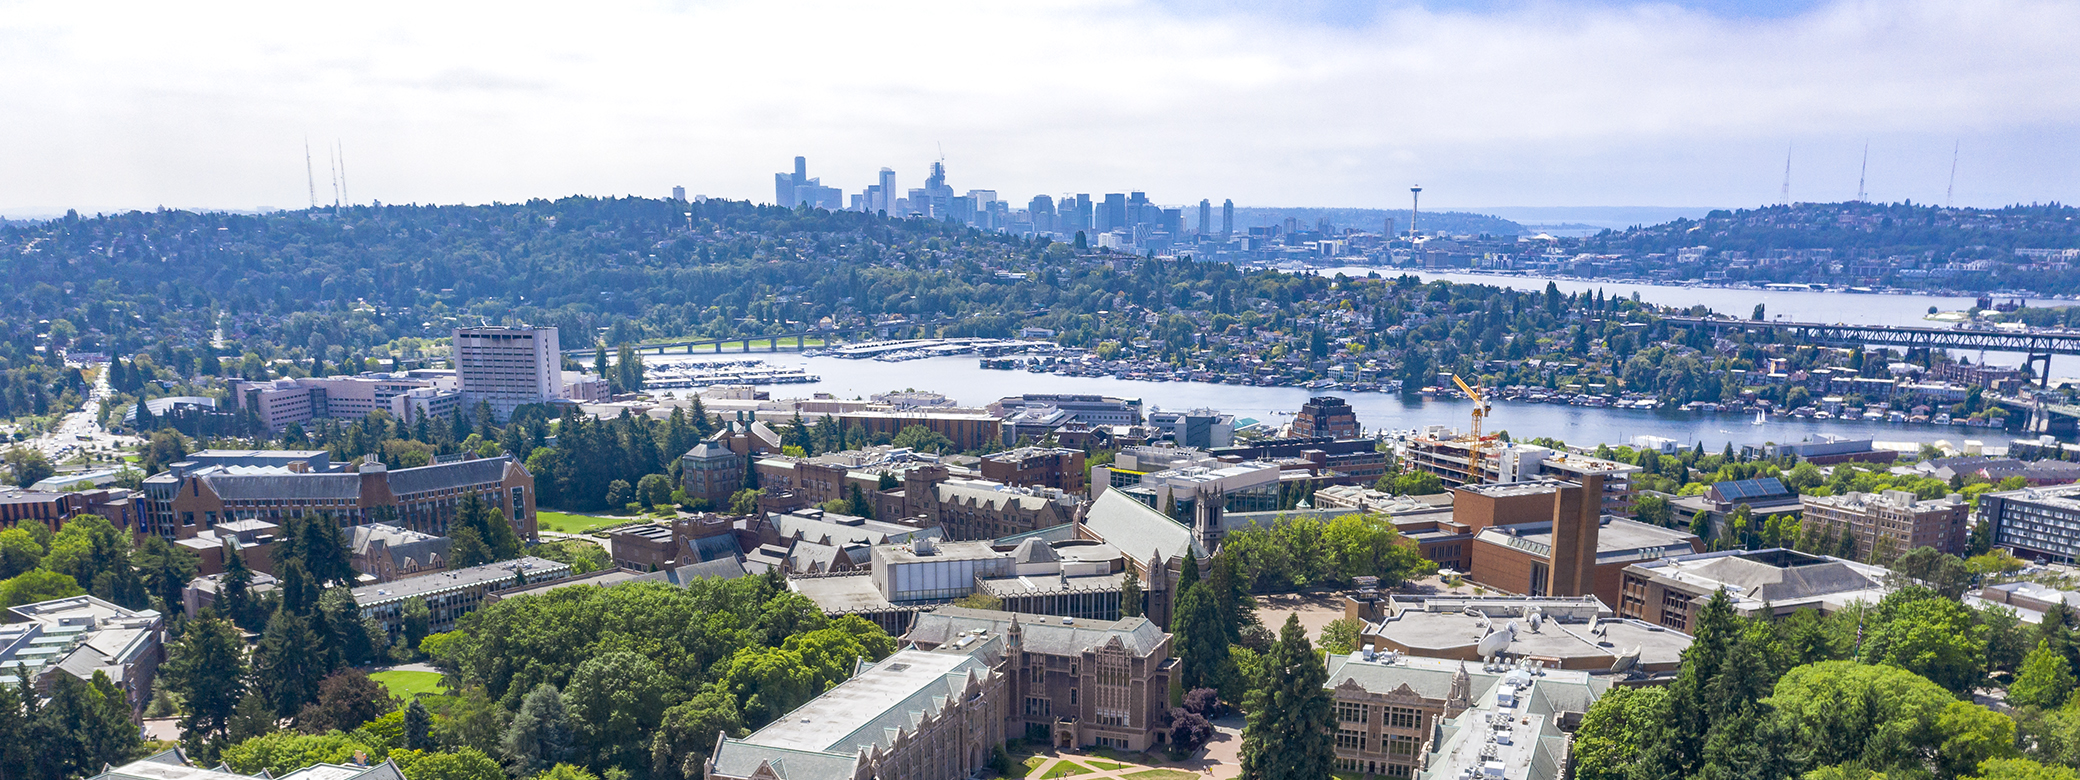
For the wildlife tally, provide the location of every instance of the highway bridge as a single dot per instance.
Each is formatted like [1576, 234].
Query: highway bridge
[2038, 345]
[773, 340]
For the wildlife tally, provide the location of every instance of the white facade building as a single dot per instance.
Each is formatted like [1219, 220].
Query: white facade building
[508, 367]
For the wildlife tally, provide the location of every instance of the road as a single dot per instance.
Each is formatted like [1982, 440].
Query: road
[80, 432]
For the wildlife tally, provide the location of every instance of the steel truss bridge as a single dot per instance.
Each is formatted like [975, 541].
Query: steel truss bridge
[2039, 346]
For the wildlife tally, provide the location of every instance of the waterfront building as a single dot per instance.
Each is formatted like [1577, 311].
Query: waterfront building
[1202, 428]
[451, 594]
[508, 367]
[2036, 523]
[82, 635]
[1893, 522]
[196, 495]
[1326, 415]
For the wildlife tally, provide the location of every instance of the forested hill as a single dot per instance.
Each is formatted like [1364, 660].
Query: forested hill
[368, 275]
[323, 285]
[1859, 229]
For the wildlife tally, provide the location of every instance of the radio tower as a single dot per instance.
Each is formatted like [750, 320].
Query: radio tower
[342, 172]
[1785, 196]
[1861, 173]
[310, 175]
[1952, 189]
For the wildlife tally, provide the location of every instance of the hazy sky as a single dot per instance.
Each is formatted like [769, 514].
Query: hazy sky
[112, 106]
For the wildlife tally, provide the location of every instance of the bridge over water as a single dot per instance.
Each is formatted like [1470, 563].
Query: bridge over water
[2038, 345]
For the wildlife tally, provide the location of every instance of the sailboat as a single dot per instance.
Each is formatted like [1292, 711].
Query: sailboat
[1759, 416]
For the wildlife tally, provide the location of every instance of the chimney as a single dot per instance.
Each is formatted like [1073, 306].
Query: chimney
[1577, 516]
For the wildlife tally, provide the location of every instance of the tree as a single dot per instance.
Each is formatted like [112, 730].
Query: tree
[206, 667]
[1922, 632]
[38, 585]
[462, 764]
[472, 720]
[167, 569]
[289, 662]
[620, 494]
[745, 501]
[83, 727]
[1189, 731]
[466, 548]
[540, 734]
[1417, 483]
[287, 751]
[2046, 680]
[1291, 725]
[1130, 596]
[27, 466]
[346, 699]
[921, 439]
[253, 717]
[687, 734]
[19, 552]
[979, 600]
[418, 621]
[418, 726]
[1652, 509]
[1944, 573]
[655, 490]
[1340, 636]
[616, 701]
[1201, 640]
[1884, 718]
[1616, 728]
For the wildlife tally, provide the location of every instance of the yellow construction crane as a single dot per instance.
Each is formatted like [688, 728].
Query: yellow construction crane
[1476, 441]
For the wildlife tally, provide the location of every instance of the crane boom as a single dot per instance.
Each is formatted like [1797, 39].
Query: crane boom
[1476, 441]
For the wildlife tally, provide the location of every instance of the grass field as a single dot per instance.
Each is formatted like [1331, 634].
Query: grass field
[1104, 765]
[565, 523]
[407, 685]
[1062, 769]
[1162, 774]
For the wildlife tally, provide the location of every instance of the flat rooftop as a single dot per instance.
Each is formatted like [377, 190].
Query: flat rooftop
[458, 578]
[841, 593]
[1512, 489]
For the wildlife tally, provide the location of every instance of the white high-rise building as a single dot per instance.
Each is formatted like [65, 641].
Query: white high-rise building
[508, 367]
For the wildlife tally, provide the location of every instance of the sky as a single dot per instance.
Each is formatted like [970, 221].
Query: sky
[1485, 103]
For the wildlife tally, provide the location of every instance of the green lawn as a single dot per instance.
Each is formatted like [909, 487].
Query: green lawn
[565, 523]
[406, 685]
[1163, 774]
[1033, 762]
[1103, 765]
[1064, 768]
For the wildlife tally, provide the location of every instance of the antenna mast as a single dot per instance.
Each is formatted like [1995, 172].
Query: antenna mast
[310, 175]
[1862, 173]
[1952, 189]
[1785, 196]
[334, 155]
[343, 172]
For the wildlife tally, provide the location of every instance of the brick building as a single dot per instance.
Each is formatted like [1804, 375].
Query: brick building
[1326, 415]
[1890, 523]
[1055, 467]
[190, 498]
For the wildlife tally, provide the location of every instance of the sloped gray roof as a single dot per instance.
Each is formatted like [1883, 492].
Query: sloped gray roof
[1034, 551]
[292, 487]
[1131, 526]
[821, 740]
[1045, 634]
[443, 476]
[1783, 583]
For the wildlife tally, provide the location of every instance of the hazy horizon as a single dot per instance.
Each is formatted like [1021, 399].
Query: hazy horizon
[1541, 103]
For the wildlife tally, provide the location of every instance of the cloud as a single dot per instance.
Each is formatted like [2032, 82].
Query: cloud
[1324, 103]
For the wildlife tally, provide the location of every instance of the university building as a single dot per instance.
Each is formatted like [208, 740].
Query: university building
[196, 495]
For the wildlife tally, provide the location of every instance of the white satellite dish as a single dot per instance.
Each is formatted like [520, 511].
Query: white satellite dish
[1627, 661]
[1537, 619]
[1495, 642]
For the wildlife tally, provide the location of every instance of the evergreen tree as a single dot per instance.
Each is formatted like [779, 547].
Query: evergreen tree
[540, 735]
[235, 592]
[1189, 576]
[1130, 594]
[1291, 720]
[289, 662]
[1677, 750]
[1231, 595]
[1201, 640]
[207, 670]
[418, 727]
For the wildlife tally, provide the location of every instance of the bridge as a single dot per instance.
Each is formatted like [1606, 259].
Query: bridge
[773, 339]
[2038, 345]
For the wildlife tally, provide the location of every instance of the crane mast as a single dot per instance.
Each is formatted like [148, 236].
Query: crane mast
[1477, 441]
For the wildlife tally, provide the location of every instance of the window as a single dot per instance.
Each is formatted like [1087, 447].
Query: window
[1404, 718]
[1072, 697]
[1350, 739]
[1398, 745]
[1400, 770]
[1351, 712]
[1037, 707]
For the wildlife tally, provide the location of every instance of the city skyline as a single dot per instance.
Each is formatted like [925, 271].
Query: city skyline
[1327, 104]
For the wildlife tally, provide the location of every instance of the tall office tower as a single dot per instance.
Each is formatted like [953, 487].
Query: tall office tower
[1041, 210]
[679, 194]
[1228, 218]
[507, 367]
[871, 200]
[1139, 210]
[1390, 229]
[1205, 215]
[784, 184]
[888, 191]
[1113, 214]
